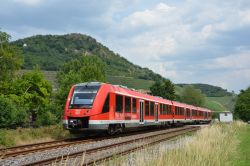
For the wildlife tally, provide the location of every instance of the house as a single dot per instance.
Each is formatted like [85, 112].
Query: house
[226, 116]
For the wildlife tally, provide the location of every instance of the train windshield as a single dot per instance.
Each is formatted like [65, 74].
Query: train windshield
[83, 96]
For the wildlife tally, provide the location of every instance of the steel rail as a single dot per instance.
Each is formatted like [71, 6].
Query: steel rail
[177, 132]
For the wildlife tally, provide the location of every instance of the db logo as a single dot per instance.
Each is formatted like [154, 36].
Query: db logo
[78, 112]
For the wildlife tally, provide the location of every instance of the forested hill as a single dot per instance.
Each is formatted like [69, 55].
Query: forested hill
[209, 90]
[51, 51]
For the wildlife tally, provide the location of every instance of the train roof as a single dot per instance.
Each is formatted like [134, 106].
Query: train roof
[123, 90]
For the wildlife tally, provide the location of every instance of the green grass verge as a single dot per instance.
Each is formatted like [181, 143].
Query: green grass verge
[31, 135]
[243, 149]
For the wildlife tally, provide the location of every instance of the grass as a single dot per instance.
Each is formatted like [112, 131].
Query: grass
[31, 135]
[227, 102]
[215, 145]
[214, 105]
[243, 149]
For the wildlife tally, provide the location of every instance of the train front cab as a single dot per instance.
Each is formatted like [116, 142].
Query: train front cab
[85, 103]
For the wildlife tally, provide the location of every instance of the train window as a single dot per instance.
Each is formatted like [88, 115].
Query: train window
[193, 112]
[169, 111]
[147, 108]
[83, 96]
[188, 112]
[134, 105]
[105, 107]
[165, 109]
[182, 111]
[161, 108]
[127, 104]
[176, 111]
[119, 101]
[152, 108]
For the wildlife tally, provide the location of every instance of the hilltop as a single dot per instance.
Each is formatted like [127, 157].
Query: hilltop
[51, 51]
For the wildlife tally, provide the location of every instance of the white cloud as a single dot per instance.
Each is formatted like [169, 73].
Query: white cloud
[29, 2]
[150, 17]
[234, 62]
[245, 17]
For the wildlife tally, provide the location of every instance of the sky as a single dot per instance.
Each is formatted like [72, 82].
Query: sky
[187, 41]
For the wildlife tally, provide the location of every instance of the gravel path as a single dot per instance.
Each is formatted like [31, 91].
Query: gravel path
[59, 152]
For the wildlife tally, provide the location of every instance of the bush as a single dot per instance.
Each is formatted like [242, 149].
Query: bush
[46, 118]
[10, 116]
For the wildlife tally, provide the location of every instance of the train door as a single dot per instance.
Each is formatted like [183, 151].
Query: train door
[156, 112]
[141, 111]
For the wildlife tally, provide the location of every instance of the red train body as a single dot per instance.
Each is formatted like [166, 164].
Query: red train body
[101, 106]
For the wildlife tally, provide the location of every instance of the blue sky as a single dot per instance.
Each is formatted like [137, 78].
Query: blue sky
[188, 41]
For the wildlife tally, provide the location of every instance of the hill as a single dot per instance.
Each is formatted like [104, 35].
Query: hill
[51, 51]
[209, 90]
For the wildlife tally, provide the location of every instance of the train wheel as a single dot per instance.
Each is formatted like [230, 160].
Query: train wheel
[111, 129]
[115, 129]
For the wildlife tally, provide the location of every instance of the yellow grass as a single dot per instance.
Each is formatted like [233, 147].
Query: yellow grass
[212, 146]
[31, 135]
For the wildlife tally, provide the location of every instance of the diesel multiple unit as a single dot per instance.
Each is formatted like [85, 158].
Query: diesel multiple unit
[102, 106]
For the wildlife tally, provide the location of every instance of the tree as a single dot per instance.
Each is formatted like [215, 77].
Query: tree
[10, 58]
[163, 89]
[242, 106]
[34, 91]
[10, 116]
[85, 69]
[192, 96]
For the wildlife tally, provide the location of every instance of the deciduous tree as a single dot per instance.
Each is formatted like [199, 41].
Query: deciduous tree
[192, 96]
[10, 58]
[242, 106]
[163, 89]
[83, 69]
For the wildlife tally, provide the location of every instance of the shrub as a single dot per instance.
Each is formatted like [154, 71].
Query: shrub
[46, 118]
[8, 112]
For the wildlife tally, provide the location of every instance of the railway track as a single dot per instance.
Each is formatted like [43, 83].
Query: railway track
[107, 150]
[38, 147]
[30, 148]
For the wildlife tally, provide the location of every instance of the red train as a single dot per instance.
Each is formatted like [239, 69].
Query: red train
[101, 106]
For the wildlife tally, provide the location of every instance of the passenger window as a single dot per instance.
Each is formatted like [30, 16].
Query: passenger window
[164, 109]
[127, 104]
[134, 105]
[147, 108]
[105, 107]
[152, 108]
[119, 101]
[169, 109]
[161, 109]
